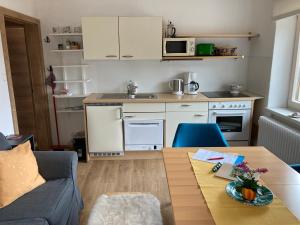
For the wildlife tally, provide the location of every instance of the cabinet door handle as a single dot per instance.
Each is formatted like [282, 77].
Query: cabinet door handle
[111, 56]
[127, 56]
[185, 105]
[121, 113]
[128, 117]
[199, 115]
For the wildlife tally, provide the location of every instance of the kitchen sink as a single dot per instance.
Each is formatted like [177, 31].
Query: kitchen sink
[126, 96]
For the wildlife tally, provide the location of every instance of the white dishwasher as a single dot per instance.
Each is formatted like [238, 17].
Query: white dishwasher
[143, 134]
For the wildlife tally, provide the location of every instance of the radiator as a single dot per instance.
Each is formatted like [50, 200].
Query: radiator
[280, 139]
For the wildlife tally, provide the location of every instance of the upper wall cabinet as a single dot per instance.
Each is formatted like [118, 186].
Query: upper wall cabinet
[140, 38]
[100, 38]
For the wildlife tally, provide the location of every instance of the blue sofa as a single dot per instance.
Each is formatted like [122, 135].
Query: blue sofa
[57, 202]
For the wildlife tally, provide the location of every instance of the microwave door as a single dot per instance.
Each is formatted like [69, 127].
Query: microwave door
[176, 47]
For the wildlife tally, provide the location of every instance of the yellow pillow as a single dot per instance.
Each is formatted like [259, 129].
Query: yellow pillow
[18, 173]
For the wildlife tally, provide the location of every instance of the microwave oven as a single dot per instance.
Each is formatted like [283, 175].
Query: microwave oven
[179, 47]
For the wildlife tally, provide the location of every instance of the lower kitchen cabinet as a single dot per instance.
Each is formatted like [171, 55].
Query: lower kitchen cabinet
[105, 129]
[175, 118]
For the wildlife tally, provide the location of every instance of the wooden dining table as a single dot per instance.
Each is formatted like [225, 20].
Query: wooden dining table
[188, 203]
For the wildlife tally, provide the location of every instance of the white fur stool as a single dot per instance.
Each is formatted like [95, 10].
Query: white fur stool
[126, 209]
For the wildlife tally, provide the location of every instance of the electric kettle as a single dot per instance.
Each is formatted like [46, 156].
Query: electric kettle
[191, 87]
[176, 86]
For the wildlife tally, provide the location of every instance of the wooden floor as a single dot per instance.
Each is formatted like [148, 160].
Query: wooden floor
[138, 175]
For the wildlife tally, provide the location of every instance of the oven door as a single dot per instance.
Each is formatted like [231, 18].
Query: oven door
[234, 124]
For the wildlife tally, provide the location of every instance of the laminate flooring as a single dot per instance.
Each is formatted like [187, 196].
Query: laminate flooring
[135, 175]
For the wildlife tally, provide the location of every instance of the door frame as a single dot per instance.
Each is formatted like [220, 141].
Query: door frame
[37, 72]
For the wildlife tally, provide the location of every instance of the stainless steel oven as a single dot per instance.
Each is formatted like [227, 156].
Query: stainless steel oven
[233, 119]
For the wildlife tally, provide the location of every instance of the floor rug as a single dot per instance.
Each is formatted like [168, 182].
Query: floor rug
[126, 209]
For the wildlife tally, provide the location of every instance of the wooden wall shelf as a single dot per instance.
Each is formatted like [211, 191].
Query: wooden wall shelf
[71, 66]
[69, 111]
[65, 34]
[71, 81]
[66, 50]
[70, 96]
[248, 35]
[182, 58]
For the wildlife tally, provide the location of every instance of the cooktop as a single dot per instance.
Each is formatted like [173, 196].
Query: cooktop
[223, 94]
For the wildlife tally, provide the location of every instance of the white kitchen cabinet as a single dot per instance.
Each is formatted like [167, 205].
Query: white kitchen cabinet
[176, 113]
[175, 118]
[105, 129]
[144, 107]
[100, 37]
[140, 38]
[187, 107]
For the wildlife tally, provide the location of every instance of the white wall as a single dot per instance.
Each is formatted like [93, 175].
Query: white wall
[193, 16]
[196, 16]
[22, 6]
[261, 52]
[6, 121]
[285, 7]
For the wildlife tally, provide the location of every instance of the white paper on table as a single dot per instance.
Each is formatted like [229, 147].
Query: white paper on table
[204, 155]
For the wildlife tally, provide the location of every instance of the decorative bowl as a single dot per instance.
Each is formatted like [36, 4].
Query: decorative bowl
[263, 197]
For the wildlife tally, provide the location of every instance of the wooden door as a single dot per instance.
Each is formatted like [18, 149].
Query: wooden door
[26, 62]
[140, 38]
[21, 79]
[100, 38]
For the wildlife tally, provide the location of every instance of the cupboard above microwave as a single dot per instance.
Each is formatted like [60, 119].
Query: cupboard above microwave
[179, 47]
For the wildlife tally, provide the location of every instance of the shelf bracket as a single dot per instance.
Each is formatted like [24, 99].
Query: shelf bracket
[252, 36]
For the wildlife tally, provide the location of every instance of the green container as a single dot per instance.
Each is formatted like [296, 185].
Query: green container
[205, 49]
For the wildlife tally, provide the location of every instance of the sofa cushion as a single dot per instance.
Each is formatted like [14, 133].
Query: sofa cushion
[4, 145]
[34, 221]
[19, 173]
[50, 201]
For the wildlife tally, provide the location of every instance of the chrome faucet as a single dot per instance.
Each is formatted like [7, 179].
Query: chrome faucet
[132, 89]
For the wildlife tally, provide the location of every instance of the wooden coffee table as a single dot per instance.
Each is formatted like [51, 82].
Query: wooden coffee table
[188, 203]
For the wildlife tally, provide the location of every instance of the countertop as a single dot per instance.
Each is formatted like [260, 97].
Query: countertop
[168, 98]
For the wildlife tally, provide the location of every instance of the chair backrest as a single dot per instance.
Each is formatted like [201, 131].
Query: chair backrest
[199, 135]
[4, 145]
[296, 167]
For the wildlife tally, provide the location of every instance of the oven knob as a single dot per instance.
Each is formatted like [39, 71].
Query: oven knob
[235, 106]
[214, 106]
[230, 106]
[244, 106]
[240, 106]
[223, 106]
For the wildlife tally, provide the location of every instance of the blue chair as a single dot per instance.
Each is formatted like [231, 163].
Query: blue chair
[199, 135]
[296, 167]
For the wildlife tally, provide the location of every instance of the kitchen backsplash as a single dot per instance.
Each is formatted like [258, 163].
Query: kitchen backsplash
[153, 76]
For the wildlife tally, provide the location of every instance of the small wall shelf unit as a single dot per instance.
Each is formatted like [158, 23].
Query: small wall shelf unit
[249, 35]
[68, 80]
[62, 38]
[72, 75]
